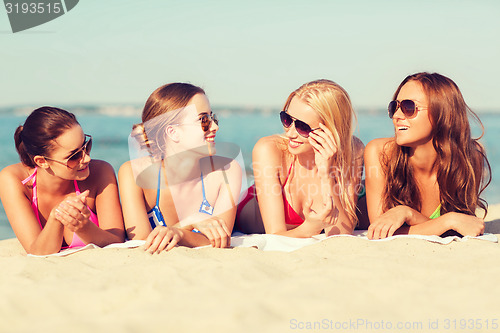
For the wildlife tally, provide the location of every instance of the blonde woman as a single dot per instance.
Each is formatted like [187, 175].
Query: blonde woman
[307, 180]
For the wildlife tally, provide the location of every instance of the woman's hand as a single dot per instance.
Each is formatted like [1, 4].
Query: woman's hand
[386, 224]
[325, 149]
[162, 238]
[215, 229]
[465, 225]
[73, 212]
[323, 218]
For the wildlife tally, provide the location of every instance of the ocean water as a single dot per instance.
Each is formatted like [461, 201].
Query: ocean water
[242, 127]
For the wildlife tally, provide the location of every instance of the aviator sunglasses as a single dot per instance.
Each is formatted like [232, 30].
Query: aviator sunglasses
[206, 121]
[75, 158]
[302, 128]
[408, 107]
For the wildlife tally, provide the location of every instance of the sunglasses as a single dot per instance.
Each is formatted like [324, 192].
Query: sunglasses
[302, 128]
[407, 106]
[206, 121]
[75, 158]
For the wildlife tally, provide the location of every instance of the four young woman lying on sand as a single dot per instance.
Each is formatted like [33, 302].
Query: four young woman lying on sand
[427, 179]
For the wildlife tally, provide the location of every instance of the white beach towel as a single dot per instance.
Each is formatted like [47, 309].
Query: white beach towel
[127, 245]
[288, 244]
[282, 243]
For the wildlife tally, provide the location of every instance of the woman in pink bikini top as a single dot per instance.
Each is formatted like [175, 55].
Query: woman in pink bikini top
[41, 195]
[307, 180]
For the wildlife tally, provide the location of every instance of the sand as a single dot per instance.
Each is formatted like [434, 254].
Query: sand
[340, 284]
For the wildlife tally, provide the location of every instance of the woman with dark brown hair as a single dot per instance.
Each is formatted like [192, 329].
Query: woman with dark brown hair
[428, 178]
[57, 196]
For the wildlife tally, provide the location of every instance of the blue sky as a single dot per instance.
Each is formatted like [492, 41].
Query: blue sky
[250, 53]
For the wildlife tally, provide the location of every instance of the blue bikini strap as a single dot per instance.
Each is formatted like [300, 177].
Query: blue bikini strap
[203, 186]
[158, 188]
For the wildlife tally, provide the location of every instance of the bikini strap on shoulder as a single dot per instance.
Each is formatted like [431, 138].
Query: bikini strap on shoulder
[30, 177]
[202, 186]
[158, 187]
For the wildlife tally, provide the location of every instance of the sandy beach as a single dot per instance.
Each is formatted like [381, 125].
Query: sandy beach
[340, 284]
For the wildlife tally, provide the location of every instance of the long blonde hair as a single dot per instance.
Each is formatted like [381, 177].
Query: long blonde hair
[333, 105]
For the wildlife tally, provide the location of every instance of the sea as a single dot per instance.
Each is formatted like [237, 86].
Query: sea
[110, 126]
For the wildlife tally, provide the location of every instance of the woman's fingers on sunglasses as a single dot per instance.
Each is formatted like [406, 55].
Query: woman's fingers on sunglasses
[325, 137]
[321, 146]
[328, 136]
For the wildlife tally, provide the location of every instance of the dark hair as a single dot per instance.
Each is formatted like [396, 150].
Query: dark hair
[42, 126]
[463, 171]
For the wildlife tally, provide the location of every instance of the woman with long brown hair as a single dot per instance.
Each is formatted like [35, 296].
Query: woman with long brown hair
[428, 178]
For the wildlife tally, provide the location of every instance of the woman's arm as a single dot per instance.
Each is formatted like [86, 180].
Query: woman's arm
[218, 227]
[135, 214]
[267, 168]
[403, 219]
[375, 177]
[229, 192]
[22, 218]
[383, 224]
[107, 205]
[466, 225]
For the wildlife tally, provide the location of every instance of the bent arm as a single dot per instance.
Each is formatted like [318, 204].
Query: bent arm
[23, 220]
[375, 178]
[218, 227]
[109, 212]
[135, 215]
[229, 192]
[267, 168]
[466, 225]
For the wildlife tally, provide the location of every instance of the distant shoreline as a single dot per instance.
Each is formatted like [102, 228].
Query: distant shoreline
[133, 110]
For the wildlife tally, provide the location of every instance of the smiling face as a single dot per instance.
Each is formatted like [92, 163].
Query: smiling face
[298, 109]
[416, 130]
[71, 141]
[191, 131]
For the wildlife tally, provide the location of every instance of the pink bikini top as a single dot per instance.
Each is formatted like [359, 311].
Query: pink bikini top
[291, 216]
[76, 242]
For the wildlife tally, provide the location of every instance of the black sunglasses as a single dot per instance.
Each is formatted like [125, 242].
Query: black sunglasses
[408, 107]
[301, 127]
[75, 159]
[206, 121]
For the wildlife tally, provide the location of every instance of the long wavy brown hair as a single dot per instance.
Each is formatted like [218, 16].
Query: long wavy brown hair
[463, 171]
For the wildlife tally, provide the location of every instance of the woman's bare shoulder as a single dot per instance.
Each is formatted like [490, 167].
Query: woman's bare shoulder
[101, 174]
[16, 171]
[379, 145]
[270, 146]
[11, 178]
[101, 167]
